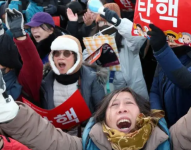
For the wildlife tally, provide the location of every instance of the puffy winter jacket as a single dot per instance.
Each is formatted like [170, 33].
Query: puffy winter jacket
[171, 88]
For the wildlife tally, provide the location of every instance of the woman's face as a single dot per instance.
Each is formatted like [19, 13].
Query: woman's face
[40, 34]
[122, 112]
[64, 60]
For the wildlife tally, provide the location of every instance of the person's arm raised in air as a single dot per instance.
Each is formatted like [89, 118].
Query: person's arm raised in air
[169, 62]
[31, 74]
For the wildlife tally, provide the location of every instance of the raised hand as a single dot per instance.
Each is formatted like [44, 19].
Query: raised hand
[88, 18]
[111, 16]
[157, 39]
[15, 22]
[71, 15]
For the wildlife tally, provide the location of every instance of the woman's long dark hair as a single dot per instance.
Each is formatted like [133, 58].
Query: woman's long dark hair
[142, 103]
[118, 37]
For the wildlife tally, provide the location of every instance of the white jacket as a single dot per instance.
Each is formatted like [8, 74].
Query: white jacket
[131, 74]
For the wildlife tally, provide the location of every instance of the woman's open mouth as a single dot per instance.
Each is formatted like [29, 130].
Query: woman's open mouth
[124, 125]
[37, 38]
[61, 65]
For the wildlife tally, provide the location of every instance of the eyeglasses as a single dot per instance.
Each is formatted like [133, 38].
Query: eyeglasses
[66, 53]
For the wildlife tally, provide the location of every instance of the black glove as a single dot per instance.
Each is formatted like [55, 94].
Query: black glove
[109, 14]
[51, 9]
[157, 39]
[15, 22]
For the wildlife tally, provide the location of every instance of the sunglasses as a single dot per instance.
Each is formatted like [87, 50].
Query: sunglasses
[66, 53]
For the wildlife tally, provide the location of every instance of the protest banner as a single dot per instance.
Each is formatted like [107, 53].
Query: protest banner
[69, 114]
[171, 16]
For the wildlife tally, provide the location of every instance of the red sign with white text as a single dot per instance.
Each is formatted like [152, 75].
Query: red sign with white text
[69, 114]
[172, 16]
[125, 5]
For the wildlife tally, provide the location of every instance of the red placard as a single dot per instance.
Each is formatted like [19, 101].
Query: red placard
[69, 114]
[172, 16]
[125, 5]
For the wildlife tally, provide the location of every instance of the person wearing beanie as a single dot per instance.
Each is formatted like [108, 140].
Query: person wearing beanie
[68, 74]
[21, 79]
[128, 46]
[171, 87]
[43, 32]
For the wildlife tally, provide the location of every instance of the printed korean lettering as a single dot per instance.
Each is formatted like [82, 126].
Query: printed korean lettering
[142, 7]
[170, 6]
[68, 117]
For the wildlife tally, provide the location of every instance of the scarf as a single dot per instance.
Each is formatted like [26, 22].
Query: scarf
[136, 139]
[13, 88]
[68, 79]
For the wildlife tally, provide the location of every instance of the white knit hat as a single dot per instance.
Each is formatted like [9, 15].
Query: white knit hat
[66, 42]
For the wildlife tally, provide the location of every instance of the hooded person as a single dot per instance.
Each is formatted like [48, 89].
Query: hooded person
[128, 47]
[68, 74]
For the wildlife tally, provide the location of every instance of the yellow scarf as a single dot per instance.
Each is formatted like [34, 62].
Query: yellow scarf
[136, 139]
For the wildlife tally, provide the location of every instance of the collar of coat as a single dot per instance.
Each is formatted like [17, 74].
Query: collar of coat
[100, 139]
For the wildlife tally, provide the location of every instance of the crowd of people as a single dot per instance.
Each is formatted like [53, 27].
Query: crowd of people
[142, 104]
